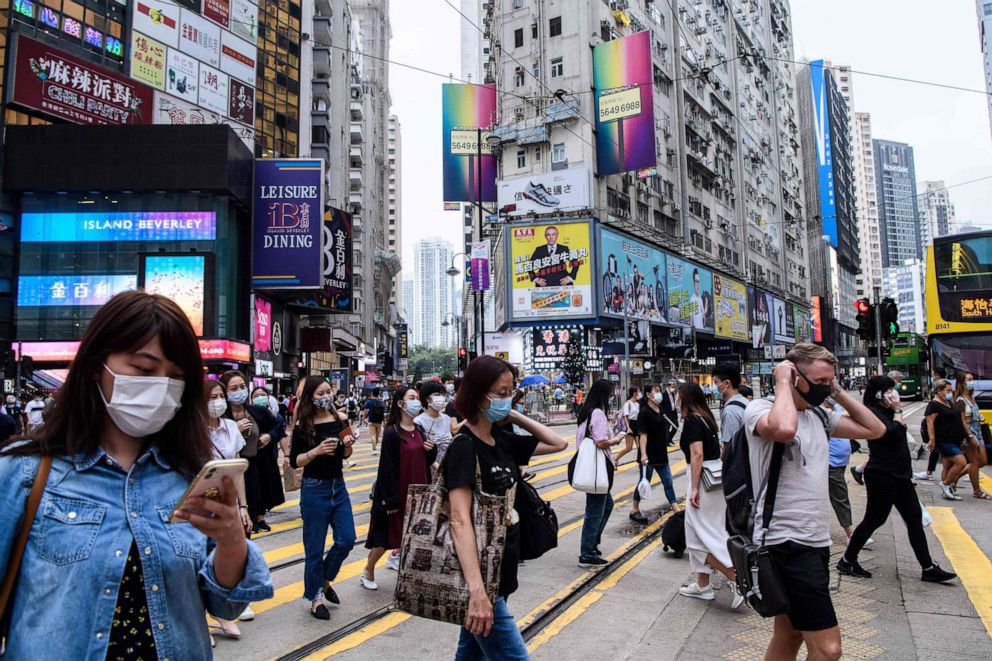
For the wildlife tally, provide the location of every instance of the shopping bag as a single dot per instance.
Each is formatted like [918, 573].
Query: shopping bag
[927, 517]
[644, 485]
[291, 477]
[587, 471]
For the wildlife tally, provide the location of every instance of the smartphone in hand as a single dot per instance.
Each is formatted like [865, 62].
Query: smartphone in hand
[208, 483]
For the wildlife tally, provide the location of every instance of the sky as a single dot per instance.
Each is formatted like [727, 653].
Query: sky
[919, 39]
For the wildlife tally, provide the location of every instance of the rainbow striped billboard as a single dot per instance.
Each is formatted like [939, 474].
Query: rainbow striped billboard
[621, 71]
[464, 110]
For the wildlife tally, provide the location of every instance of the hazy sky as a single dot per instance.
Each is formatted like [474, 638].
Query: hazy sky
[919, 39]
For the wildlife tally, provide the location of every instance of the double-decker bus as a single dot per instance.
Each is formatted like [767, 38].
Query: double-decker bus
[959, 310]
[909, 356]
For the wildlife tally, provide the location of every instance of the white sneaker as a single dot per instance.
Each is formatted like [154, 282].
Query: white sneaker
[871, 540]
[693, 590]
[947, 493]
[393, 562]
[922, 475]
[375, 452]
[248, 615]
[738, 597]
[367, 584]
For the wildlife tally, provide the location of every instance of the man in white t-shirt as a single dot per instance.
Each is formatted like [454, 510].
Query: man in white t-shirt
[33, 411]
[726, 380]
[798, 536]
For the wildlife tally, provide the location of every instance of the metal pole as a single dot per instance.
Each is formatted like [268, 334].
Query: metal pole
[626, 351]
[478, 199]
[17, 378]
[878, 331]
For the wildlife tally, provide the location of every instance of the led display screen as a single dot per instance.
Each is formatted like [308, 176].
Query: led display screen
[183, 278]
[119, 226]
[71, 290]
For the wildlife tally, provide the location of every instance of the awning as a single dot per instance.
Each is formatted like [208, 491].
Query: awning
[49, 379]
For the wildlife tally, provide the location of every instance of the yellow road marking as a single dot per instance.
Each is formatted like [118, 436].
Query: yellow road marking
[985, 481]
[291, 550]
[971, 565]
[355, 639]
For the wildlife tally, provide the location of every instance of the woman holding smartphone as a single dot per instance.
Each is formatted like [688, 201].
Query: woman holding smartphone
[322, 439]
[126, 436]
[262, 431]
[407, 454]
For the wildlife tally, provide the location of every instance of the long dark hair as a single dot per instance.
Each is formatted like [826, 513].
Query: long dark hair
[124, 324]
[395, 414]
[694, 401]
[480, 375]
[598, 398]
[876, 385]
[305, 408]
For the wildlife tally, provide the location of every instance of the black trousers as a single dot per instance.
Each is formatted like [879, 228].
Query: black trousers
[885, 492]
[932, 461]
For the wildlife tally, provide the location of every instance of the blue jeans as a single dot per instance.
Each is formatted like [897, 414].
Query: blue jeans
[324, 503]
[599, 506]
[503, 642]
[665, 473]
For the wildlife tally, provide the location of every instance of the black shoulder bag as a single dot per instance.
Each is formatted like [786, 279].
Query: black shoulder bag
[538, 522]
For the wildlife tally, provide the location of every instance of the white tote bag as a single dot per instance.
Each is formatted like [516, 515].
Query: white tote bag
[590, 473]
[927, 517]
[644, 485]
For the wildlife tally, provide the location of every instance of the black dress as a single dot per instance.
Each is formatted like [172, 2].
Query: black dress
[263, 479]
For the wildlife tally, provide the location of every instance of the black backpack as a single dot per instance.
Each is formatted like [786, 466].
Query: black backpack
[673, 534]
[737, 487]
[924, 432]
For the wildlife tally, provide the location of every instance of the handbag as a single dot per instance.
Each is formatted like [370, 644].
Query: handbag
[712, 476]
[538, 522]
[291, 477]
[927, 518]
[21, 542]
[430, 582]
[643, 484]
[757, 576]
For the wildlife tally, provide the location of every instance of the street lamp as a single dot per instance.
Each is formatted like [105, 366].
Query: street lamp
[457, 321]
[453, 270]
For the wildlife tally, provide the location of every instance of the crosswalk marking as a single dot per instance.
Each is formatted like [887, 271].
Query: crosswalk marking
[971, 565]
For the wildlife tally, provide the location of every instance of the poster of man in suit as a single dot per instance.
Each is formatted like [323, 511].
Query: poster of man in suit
[551, 274]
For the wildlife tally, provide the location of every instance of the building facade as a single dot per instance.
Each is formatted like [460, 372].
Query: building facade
[899, 220]
[904, 284]
[394, 220]
[432, 293]
[984, 8]
[937, 217]
[866, 195]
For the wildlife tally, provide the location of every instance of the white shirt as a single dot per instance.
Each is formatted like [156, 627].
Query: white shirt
[227, 439]
[631, 410]
[437, 429]
[273, 405]
[33, 411]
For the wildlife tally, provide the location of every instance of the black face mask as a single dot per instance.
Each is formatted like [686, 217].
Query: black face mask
[817, 393]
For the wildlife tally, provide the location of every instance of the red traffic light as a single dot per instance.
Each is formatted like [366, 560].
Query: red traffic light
[462, 352]
[862, 305]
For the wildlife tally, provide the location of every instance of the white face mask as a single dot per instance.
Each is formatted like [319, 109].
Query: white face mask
[216, 407]
[437, 402]
[657, 397]
[142, 405]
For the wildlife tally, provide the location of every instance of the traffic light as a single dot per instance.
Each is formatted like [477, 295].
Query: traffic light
[865, 319]
[462, 358]
[27, 367]
[889, 316]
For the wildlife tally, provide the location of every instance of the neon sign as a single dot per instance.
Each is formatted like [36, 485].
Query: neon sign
[71, 290]
[57, 352]
[118, 226]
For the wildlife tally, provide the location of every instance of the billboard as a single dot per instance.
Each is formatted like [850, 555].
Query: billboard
[241, 103]
[186, 278]
[547, 192]
[148, 60]
[213, 90]
[402, 346]
[336, 263]
[69, 88]
[550, 275]
[633, 272]
[66, 351]
[816, 320]
[237, 57]
[218, 10]
[170, 110]
[730, 301]
[508, 346]
[480, 265]
[199, 37]
[623, 82]
[182, 76]
[71, 290]
[244, 19]
[549, 346]
[804, 331]
[288, 213]
[760, 306]
[159, 20]
[784, 324]
[690, 295]
[824, 152]
[465, 109]
[263, 324]
[82, 226]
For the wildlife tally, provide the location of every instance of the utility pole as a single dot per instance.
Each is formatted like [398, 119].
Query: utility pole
[878, 329]
[480, 350]
[625, 372]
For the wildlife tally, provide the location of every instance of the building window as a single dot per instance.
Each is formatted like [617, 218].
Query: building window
[518, 77]
[518, 4]
[521, 158]
[554, 27]
[533, 30]
[518, 37]
[537, 153]
[557, 68]
[558, 152]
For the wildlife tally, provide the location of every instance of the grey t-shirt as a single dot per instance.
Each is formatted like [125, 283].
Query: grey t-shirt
[437, 429]
[731, 417]
[802, 505]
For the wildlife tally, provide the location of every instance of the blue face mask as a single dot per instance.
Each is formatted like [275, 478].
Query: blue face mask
[969, 385]
[261, 400]
[498, 408]
[949, 397]
[237, 397]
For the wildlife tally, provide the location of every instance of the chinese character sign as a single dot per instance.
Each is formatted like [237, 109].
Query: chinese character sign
[71, 290]
[464, 110]
[690, 294]
[288, 219]
[730, 299]
[68, 88]
[549, 346]
[263, 324]
[480, 265]
[824, 152]
[337, 292]
[551, 270]
[148, 60]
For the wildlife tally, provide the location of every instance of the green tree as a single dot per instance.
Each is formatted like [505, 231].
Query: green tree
[574, 364]
[427, 362]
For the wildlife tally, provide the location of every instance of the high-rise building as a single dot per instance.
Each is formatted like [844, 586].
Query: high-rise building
[394, 240]
[936, 211]
[984, 8]
[866, 195]
[899, 221]
[406, 311]
[904, 284]
[829, 184]
[432, 293]
[277, 99]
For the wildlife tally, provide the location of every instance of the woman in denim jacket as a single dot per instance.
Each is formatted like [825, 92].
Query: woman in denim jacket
[127, 434]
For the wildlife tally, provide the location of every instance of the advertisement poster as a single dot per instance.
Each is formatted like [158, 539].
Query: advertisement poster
[402, 346]
[237, 57]
[824, 151]
[199, 37]
[730, 298]
[241, 103]
[183, 278]
[509, 346]
[148, 60]
[263, 324]
[82, 226]
[69, 88]
[71, 290]
[760, 307]
[549, 346]
[790, 322]
[480, 265]
[690, 295]
[551, 272]
[465, 109]
[159, 20]
[802, 325]
[547, 192]
[633, 273]
[170, 110]
[816, 320]
[218, 10]
[212, 93]
[244, 20]
[182, 76]
[784, 331]
[623, 82]
[336, 264]
[288, 215]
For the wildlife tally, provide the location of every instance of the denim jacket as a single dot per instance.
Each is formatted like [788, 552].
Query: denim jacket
[63, 604]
